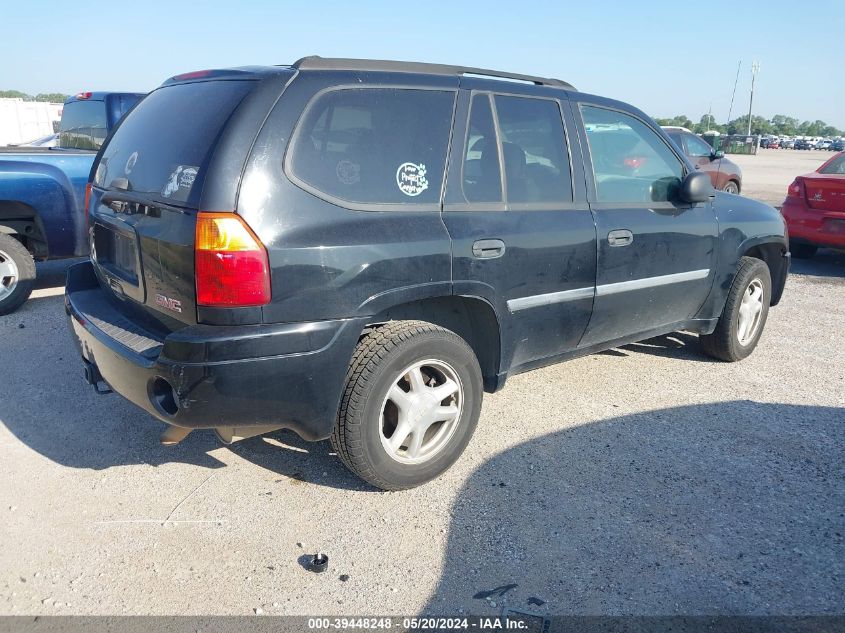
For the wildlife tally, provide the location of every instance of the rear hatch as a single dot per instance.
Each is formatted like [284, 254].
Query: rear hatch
[148, 188]
[825, 192]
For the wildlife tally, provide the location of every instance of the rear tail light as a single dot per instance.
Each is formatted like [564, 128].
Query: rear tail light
[232, 269]
[796, 189]
[196, 74]
[87, 201]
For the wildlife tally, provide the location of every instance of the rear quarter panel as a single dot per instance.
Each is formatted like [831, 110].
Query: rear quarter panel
[328, 261]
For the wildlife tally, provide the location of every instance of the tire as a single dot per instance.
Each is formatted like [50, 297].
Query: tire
[732, 186]
[386, 360]
[802, 251]
[17, 274]
[728, 341]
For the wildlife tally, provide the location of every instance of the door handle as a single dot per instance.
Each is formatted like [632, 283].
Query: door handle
[620, 237]
[488, 249]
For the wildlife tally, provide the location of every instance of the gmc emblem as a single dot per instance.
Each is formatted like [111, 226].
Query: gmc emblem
[170, 304]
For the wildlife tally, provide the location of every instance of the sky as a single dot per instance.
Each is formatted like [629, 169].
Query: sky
[666, 57]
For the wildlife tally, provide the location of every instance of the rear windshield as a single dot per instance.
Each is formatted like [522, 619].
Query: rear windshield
[835, 166]
[83, 125]
[374, 145]
[163, 146]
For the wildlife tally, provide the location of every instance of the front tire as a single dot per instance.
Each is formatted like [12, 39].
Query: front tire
[17, 274]
[744, 316]
[412, 401]
[731, 187]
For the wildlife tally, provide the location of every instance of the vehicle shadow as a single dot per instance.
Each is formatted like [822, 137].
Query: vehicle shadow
[719, 509]
[52, 274]
[825, 263]
[45, 403]
[678, 345]
[288, 455]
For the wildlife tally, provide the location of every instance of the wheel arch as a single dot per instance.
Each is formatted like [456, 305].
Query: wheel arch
[773, 254]
[23, 221]
[471, 318]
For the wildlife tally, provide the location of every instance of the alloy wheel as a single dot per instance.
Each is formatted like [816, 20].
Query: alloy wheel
[421, 411]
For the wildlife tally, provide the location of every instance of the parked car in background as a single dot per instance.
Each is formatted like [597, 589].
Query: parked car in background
[42, 192]
[787, 144]
[823, 144]
[724, 173]
[774, 144]
[289, 247]
[838, 145]
[814, 209]
[803, 144]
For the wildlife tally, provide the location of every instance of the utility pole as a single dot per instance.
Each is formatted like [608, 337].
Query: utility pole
[755, 68]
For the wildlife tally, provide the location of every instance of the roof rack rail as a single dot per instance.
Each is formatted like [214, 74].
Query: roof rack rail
[314, 62]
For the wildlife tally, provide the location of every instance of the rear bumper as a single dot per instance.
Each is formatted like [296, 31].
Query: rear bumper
[288, 375]
[814, 226]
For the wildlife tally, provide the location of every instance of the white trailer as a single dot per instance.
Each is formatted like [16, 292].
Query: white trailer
[22, 121]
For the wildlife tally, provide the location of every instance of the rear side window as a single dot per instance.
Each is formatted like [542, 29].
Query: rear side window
[534, 149]
[697, 147]
[676, 139]
[162, 147]
[374, 145]
[83, 125]
[631, 162]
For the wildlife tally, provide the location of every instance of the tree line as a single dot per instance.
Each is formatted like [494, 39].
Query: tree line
[51, 97]
[780, 125]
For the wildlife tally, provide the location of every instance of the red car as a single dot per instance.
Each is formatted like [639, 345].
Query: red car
[814, 209]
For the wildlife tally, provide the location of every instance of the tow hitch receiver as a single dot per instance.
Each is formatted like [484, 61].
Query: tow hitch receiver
[94, 378]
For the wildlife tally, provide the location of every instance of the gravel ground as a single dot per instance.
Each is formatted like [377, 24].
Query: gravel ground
[644, 480]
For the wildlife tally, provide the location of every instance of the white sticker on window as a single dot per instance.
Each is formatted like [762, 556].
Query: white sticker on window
[130, 163]
[348, 173]
[411, 179]
[181, 180]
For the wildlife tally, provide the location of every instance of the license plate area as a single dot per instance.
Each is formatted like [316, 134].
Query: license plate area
[115, 252]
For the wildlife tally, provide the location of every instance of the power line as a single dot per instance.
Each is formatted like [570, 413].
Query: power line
[736, 81]
[755, 68]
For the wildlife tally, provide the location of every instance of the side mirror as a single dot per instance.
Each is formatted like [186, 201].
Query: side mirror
[697, 187]
[717, 154]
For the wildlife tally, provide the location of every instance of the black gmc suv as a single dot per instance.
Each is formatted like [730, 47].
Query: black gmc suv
[357, 250]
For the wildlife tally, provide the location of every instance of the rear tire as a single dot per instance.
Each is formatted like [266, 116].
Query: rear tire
[802, 251]
[393, 430]
[744, 316]
[17, 274]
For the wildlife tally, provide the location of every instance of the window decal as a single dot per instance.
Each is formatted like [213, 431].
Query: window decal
[130, 163]
[348, 173]
[180, 182]
[410, 178]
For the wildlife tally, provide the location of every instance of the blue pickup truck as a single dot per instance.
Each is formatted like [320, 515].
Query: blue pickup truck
[42, 192]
